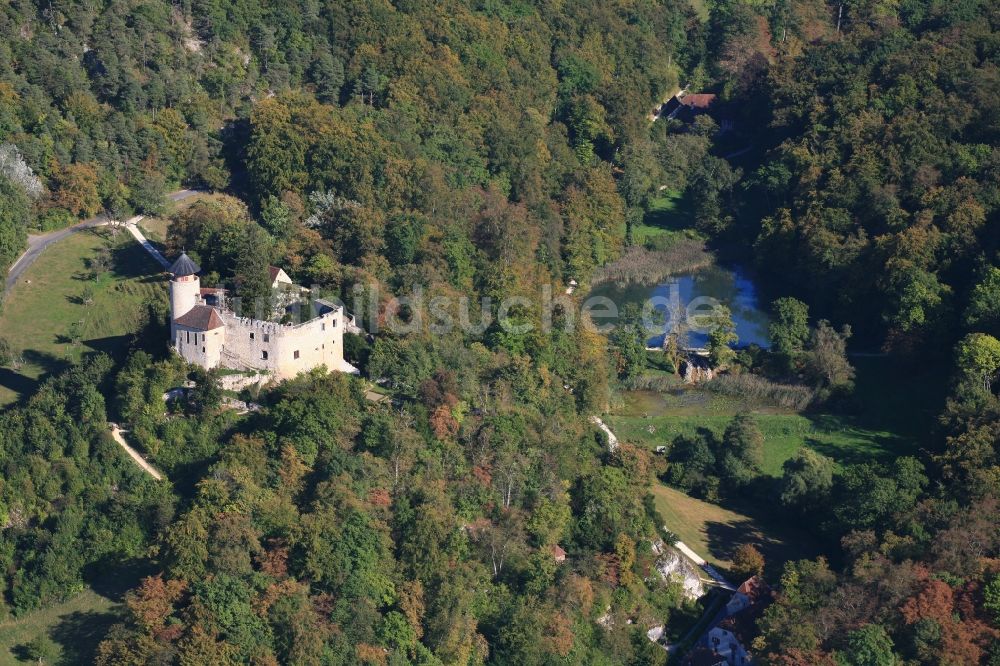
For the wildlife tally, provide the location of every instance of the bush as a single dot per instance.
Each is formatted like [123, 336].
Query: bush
[55, 218]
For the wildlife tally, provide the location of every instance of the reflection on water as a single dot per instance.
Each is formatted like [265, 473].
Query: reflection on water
[729, 286]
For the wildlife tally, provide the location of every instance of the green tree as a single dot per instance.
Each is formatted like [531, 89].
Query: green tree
[870, 646]
[983, 312]
[789, 329]
[827, 360]
[148, 192]
[991, 599]
[978, 357]
[253, 283]
[742, 452]
[276, 218]
[14, 218]
[327, 74]
[806, 480]
[402, 238]
[206, 395]
[721, 337]
[628, 343]
[42, 650]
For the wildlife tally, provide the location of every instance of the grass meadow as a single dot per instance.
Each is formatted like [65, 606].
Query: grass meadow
[59, 311]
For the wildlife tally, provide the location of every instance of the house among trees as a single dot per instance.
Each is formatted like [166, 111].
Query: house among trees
[725, 644]
[686, 106]
[278, 277]
[208, 333]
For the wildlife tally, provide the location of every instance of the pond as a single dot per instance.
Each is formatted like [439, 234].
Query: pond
[729, 286]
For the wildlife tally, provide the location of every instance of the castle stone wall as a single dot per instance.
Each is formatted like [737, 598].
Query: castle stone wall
[202, 348]
[284, 350]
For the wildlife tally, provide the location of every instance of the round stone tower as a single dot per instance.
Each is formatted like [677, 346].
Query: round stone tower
[185, 288]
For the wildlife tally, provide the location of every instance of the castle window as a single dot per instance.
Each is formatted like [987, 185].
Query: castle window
[295, 354]
[334, 322]
[188, 334]
[267, 337]
[263, 355]
[322, 326]
[202, 350]
[251, 335]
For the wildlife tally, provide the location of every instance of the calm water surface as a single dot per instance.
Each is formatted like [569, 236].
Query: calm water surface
[730, 286]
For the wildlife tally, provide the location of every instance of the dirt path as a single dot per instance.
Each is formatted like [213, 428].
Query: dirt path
[116, 433]
[612, 440]
[712, 572]
[37, 243]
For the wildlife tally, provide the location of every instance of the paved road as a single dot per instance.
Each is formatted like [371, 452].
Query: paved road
[38, 243]
[137, 234]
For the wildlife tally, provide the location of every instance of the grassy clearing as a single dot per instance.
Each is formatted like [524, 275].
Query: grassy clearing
[45, 310]
[75, 627]
[701, 9]
[154, 228]
[893, 410]
[668, 216]
[715, 532]
[784, 433]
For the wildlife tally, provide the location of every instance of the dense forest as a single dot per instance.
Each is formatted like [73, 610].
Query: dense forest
[486, 149]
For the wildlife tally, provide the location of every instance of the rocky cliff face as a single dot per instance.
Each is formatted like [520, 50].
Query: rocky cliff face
[695, 369]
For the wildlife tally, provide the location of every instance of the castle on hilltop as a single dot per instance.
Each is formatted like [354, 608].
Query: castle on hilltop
[206, 332]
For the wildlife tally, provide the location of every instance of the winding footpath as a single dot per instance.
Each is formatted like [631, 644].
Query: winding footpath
[116, 433]
[38, 242]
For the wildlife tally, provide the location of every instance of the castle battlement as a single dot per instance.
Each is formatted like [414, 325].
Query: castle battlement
[210, 335]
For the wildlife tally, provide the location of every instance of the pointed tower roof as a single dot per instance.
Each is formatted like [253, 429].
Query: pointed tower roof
[184, 266]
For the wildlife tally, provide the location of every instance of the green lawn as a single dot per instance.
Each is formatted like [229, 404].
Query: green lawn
[667, 216]
[891, 413]
[835, 436]
[43, 311]
[75, 627]
[154, 229]
[715, 532]
[893, 410]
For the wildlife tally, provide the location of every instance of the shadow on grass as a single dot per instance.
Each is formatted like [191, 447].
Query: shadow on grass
[115, 346]
[112, 580]
[80, 632]
[49, 363]
[130, 260]
[724, 538]
[671, 210]
[18, 383]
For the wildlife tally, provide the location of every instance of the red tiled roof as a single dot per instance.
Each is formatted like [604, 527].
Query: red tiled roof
[201, 317]
[211, 291]
[558, 554]
[273, 271]
[755, 588]
[698, 100]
